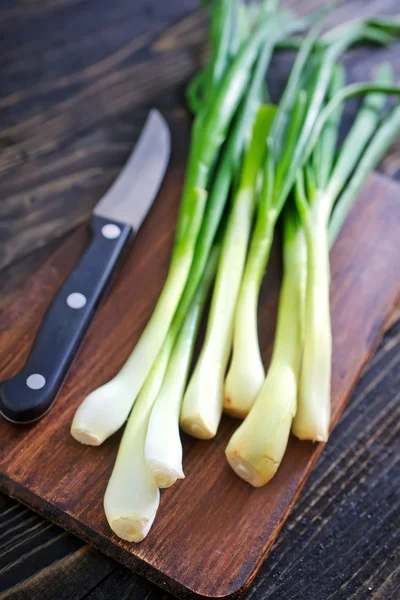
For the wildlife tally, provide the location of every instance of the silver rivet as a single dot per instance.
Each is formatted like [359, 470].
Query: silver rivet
[111, 231]
[76, 300]
[36, 381]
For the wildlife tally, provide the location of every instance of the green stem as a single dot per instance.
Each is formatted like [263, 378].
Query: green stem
[378, 146]
[227, 167]
[292, 86]
[324, 152]
[345, 93]
[316, 119]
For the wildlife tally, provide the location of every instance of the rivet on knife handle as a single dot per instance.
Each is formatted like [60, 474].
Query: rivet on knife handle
[30, 394]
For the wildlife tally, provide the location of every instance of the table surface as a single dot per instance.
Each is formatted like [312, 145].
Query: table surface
[77, 77]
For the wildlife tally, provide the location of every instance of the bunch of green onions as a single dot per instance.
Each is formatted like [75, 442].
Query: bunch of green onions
[295, 394]
[225, 98]
[249, 164]
[234, 82]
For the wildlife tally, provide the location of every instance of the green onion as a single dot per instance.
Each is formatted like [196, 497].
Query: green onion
[256, 448]
[246, 373]
[289, 165]
[313, 412]
[202, 404]
[163, 448]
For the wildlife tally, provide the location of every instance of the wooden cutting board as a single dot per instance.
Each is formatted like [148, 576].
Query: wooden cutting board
[212, 530]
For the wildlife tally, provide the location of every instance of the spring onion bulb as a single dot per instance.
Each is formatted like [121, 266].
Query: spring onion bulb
[256, 448]
[163, 447]
[202, 404]
[132, 496]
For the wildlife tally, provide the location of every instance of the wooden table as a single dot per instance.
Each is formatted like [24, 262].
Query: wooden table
[77, 77]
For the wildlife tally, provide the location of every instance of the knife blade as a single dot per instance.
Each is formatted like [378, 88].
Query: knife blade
[117, 216]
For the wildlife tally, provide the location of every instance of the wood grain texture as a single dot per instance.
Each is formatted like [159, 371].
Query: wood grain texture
[74, 83]
[52, 53]
[69, 488]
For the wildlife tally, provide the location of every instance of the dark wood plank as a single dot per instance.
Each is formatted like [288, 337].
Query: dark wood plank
[37, 49]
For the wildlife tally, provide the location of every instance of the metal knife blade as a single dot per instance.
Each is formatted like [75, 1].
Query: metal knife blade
[130, 197]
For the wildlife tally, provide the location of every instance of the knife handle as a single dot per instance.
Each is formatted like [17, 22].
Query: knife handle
[31, 393]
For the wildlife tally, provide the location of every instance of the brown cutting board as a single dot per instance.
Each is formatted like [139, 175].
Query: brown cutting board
[212, 530]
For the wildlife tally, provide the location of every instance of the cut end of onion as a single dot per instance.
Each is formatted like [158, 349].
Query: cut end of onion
[164, 475]
[312, 419]
[310, 435]
[237, 412]
[242, 386]
[86, 437]
[245, 470]
[131, 529]
[102, 412]
[197, 427]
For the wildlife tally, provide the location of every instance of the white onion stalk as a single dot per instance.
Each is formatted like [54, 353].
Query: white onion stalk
[163, 447]
[257, 447]
[246, 373]
[314, 403]
[132, 496]
[202, 404]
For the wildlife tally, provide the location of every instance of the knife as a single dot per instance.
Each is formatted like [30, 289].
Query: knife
[116, 218]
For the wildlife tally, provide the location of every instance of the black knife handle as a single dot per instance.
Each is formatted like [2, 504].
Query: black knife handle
[30, 394]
